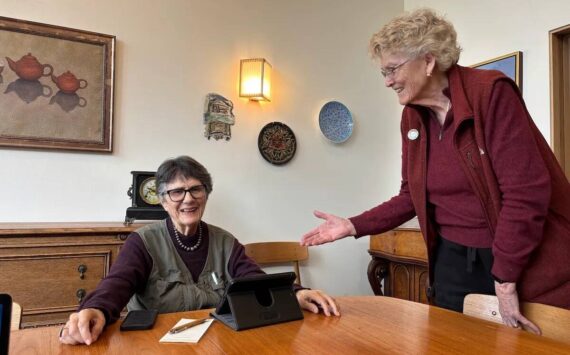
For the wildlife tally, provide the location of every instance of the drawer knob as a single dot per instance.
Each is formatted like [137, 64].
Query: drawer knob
[82, 269]
[80, 294]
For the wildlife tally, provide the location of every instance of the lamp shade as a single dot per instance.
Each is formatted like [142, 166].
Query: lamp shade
[255, 79]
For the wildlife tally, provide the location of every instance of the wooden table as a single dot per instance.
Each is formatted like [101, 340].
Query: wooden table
[369, 324]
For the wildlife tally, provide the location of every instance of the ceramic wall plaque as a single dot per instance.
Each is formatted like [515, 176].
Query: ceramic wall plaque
[218, 117]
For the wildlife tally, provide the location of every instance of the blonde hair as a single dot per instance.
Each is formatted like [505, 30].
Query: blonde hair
[415, 34]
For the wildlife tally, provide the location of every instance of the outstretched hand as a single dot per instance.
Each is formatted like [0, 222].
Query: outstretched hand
[510, 309]
[333, 228]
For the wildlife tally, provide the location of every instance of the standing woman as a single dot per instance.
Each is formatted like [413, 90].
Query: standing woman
[491, 199]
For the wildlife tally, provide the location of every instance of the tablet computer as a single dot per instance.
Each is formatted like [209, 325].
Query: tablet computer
[259, 300]
[5, 319]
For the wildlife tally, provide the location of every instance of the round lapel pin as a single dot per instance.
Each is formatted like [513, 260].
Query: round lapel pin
[413, 134]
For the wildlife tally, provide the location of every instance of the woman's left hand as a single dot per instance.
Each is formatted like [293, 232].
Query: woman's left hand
[509, 307]
[315, 301]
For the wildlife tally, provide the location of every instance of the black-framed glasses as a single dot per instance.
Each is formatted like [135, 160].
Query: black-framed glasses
[390, 71]
[177, 195]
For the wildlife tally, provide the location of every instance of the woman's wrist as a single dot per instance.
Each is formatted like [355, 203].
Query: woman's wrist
[505, 288]
[351, 228]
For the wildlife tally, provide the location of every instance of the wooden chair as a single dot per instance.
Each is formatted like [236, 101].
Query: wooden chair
[16, 316]
[554, 322]
[278, 253]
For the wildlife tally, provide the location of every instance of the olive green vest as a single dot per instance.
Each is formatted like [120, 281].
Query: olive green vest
[170, 287]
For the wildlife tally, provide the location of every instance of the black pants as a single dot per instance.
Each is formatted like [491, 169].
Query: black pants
[458, 271]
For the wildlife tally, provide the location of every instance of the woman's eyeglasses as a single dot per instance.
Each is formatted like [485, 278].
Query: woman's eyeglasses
[390, 71]
[177, 195]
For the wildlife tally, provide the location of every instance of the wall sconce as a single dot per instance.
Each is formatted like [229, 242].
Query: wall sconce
[255, 79]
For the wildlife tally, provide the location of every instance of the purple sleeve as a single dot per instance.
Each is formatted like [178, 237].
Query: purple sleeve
[128, 274]
[241, 265]
[523, 180]
[392, 213]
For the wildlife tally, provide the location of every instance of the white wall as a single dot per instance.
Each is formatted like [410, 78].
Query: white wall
[170, 54]
[488, 28]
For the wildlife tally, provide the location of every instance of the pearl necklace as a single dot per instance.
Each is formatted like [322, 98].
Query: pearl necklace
[195, 246]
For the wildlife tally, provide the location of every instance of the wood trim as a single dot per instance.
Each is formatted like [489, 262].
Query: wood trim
[50, 228]
[398, 258]
[49, 310]
[400, 245]
[559, 93]
[378, 271]
[52, 244]
[104, 254]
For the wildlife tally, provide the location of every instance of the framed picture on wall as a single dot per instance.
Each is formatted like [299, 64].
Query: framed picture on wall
[510, 64]
[56, 87]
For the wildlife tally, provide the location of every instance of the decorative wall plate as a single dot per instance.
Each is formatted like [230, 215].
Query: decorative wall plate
[335, 121]
[277, 143]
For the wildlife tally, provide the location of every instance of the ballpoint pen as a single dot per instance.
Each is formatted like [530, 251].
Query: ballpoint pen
[187, 325]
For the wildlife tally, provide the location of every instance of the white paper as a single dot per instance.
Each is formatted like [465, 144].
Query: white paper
[190, 335]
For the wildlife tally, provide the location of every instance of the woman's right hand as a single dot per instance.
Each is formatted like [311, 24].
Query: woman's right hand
[332, 229]
[83, 327]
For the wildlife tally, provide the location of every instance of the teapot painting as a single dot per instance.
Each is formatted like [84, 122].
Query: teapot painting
[68, 83]
[29, 68]
[68, 102]
[28, 90]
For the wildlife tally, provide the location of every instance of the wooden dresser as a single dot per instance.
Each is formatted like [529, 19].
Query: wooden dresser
[399, 258]
[49, 267]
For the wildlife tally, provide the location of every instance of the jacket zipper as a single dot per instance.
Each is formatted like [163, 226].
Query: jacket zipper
[479, 194]
[470, 160]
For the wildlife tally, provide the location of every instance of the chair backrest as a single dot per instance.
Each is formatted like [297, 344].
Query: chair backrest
[16, 316]
[554, 322]
[278, 253]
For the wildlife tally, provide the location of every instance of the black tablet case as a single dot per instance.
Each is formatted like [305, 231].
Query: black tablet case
[259, 300]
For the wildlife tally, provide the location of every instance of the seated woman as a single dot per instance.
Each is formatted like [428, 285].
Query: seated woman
[168, 265]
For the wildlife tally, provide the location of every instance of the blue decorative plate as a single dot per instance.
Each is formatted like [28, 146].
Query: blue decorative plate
[335, 121]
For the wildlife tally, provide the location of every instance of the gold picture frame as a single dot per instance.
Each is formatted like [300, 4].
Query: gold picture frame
[510, 64]
[56, 87]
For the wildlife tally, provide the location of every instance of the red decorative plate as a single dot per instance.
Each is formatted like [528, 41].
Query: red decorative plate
[277, 143]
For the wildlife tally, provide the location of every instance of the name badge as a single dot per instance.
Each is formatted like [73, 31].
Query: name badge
[413, 134]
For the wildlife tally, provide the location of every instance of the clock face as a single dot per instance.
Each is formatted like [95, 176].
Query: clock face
[148, 191]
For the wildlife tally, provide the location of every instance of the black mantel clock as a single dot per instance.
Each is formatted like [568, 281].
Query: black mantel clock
[145, 200]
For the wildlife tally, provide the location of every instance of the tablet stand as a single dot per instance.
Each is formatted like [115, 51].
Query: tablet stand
[258, 307]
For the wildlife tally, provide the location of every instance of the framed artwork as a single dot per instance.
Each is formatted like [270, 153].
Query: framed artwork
[56, 87]
[510, 64]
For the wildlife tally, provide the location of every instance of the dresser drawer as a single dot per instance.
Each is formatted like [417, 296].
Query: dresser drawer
[49, 267]
[52, 283]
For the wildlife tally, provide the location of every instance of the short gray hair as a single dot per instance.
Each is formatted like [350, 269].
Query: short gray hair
[183, 167]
